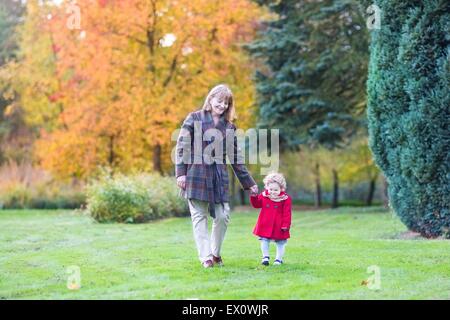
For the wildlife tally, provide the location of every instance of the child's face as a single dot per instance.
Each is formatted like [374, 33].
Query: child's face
[273, 188]
[218, 105]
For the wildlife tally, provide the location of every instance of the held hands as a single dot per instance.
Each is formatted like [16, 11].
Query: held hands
[254, 190]
[181, 182]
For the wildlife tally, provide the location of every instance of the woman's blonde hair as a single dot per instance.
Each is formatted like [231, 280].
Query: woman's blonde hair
[277, 178]
[222, 91]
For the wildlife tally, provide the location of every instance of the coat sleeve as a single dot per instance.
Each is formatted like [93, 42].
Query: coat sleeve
[287, 213]
[256, 201]
[183, 147]
[236, 158]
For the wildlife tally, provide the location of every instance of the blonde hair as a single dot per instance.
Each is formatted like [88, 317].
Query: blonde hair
[222, 91]
[277, 178]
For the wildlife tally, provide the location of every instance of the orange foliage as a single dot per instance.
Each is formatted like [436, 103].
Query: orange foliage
[128, 77]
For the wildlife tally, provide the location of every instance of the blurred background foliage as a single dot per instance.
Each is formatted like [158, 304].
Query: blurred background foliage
[75, 102]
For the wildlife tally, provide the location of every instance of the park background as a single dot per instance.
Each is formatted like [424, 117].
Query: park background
[91, 92]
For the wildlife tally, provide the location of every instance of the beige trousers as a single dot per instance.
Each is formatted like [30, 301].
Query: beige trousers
[206, 246]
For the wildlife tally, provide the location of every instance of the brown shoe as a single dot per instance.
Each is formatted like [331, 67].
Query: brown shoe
[207, 264]
[218, 261]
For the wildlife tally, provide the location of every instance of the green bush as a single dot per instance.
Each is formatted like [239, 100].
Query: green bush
[134, 199]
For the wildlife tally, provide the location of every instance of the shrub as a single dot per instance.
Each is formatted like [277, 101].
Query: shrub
[134, 199]
[408, 101]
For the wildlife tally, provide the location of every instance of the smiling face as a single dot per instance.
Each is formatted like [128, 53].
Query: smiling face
[218, 105]
[273, 188]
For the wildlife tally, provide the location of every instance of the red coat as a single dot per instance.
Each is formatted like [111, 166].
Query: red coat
[273, 216]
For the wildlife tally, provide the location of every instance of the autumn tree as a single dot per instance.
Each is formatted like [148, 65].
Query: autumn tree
[119, 76]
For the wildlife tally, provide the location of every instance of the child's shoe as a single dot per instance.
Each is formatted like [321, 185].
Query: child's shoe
[277, 262]
[265, 261]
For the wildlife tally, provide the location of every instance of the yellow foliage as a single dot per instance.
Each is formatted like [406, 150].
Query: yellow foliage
[108, 93]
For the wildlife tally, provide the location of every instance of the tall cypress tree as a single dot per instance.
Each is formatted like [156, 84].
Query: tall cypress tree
[408, 110]
[312, 83]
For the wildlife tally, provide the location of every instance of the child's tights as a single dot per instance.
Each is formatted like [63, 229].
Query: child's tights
[280, 248]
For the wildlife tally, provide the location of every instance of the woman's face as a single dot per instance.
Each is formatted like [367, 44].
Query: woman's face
[218, 105]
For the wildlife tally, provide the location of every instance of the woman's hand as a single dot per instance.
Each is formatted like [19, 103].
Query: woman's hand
[181, 182]
[254, 189]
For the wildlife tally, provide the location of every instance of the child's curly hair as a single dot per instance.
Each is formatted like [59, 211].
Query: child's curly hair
[275, 177]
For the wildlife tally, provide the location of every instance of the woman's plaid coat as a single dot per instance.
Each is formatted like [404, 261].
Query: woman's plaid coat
[198, 167]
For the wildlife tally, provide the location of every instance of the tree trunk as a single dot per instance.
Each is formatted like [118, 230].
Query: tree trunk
[157, 159]
[318, 197]
[385, 193]
[371, 192]
[335, 202]
[111, 154]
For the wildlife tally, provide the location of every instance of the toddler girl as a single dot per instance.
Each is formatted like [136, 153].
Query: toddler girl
[274, 219]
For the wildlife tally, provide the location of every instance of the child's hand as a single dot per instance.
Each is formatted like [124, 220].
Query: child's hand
[254, 189]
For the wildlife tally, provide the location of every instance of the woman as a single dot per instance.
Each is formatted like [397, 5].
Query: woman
[205, 183]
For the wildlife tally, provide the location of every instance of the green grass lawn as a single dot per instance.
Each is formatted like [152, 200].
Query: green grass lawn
[326, 258]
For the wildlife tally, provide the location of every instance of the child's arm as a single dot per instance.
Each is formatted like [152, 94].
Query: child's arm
[286, 220]
[256, 200]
